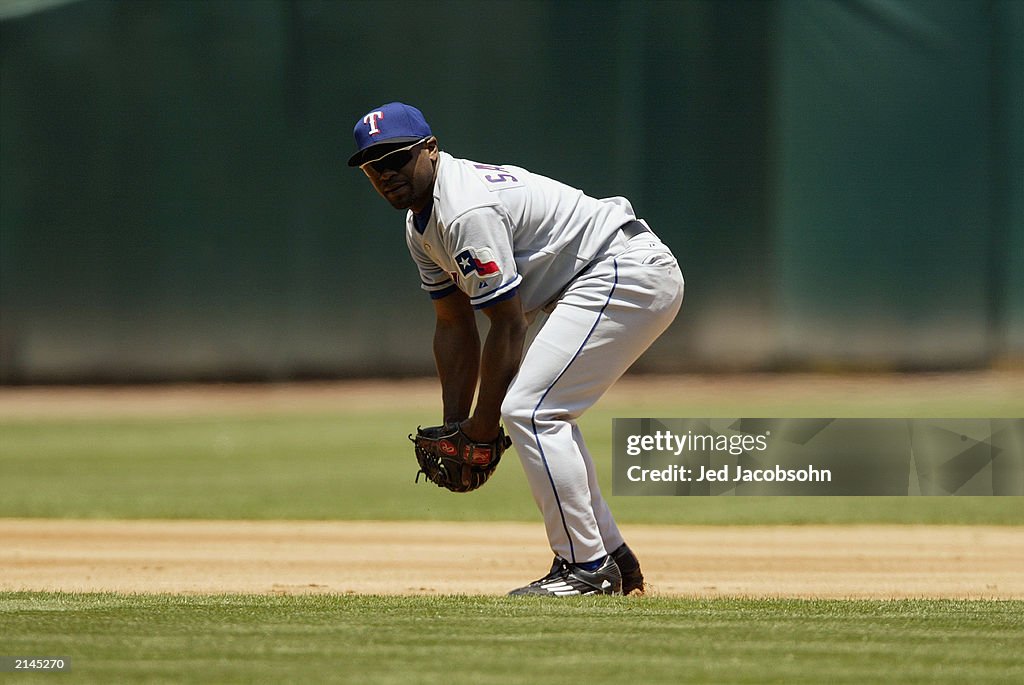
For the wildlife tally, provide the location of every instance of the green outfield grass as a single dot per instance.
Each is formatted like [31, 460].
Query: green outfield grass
[358, 465]
[367, 639]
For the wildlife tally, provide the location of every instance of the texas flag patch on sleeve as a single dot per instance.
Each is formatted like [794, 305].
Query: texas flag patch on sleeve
[479, 260]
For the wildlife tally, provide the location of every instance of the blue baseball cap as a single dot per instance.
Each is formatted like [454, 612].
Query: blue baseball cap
[388, 125]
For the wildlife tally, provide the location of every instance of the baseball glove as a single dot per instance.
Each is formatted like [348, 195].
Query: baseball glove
[450, 459]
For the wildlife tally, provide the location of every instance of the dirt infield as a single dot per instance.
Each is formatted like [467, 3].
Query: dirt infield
[882, 562]
[491, 558]
[640, 393]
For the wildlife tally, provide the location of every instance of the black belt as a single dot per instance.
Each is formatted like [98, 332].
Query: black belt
[633, 229]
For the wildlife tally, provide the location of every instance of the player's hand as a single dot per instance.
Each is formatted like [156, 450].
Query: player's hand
[472, 429]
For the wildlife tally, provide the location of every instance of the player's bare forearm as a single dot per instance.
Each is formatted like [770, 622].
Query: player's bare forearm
[457, 355]
[499, 363]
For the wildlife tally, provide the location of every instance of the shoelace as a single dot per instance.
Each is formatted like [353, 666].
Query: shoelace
[562, 570]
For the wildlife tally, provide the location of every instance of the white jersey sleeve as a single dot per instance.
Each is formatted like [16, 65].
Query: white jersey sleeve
[433, 278]
[480, 242]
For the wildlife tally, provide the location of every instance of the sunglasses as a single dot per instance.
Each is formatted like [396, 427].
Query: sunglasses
[394, 160]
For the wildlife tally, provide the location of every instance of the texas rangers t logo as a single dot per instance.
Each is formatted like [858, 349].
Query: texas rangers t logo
[371, 119]
[479, 260]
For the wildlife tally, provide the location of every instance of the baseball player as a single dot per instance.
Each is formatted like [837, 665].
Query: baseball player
[511, 243]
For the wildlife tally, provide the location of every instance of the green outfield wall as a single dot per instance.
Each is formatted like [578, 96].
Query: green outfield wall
[843, 182]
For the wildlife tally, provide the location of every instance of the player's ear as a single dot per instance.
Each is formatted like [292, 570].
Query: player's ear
[431, 146]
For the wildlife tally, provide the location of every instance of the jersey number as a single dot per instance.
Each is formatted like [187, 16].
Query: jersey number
[496, 178]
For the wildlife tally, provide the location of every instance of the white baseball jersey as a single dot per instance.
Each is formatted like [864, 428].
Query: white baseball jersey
[493, 230]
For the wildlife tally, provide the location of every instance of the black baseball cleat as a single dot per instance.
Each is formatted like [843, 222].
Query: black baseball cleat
[566, 580]
[629, 567]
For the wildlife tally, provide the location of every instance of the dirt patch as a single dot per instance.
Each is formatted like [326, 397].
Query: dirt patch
[884, 562]
[640, 393]
[212, 398]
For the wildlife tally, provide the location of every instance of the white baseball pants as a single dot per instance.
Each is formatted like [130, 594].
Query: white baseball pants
[607, 317]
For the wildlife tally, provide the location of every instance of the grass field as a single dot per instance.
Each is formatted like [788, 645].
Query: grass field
[357, 464]
[368, 639]
[354, 463]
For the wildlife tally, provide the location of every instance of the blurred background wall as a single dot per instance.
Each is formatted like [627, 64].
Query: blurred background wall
[843, 182]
